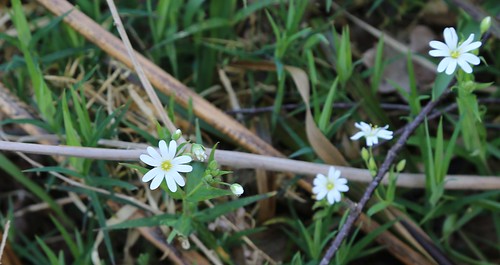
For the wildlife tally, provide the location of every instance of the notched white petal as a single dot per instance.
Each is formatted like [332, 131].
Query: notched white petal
[149, 160]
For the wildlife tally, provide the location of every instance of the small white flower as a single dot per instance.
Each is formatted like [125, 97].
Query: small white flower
[454, 55]
[330, 187]
[199, 152]
[371, 133]
[236, 189]
[166, 166]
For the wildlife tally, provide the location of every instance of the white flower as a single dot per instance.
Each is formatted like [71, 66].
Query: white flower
[236, 189]
[454, 55]
[330, 187]
[371, 133]
[199, 152]
[166, 166]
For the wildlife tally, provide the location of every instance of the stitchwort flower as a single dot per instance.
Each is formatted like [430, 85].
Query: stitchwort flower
[330, 186]
[166, 166]
[453, 53]
[371, 133]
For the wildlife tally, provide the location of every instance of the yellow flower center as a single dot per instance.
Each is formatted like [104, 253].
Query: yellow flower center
[166, 165]
[455, 54]
[330, 186]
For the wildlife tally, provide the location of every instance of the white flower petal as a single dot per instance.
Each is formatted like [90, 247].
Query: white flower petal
[336, 195]
[467, 42]
[319, 180]
[451, 67]
[181, 160]
[151, 174]
[470, 58]
[153, 153]
[178, 178]
[470, 47]
[439, 53]
[157, 181]
[321, 194]
[443, 64]
[369, 140]
[172, 149]
[385, 134]
[149, 160]
[163, 149]
[343, 188]
[465, 66]
[331, 197]
[450, 38]
[438, 45]
[340, 181]
[357, 135]
[333, 174]
[183, 168]
[317, 189]
[172, 186]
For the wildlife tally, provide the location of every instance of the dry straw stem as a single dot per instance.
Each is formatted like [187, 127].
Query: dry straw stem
[159, 78]
[245, 160]
[138, 68]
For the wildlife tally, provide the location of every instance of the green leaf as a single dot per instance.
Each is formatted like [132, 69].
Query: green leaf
[15, 172]
[48, 252]
[67, 237]
[326, 114]
[109, 182]
[379, 206]
[101, 218]
[72, 137]
[61, 170]
[151, 221]
[212, 213]
[440, 84]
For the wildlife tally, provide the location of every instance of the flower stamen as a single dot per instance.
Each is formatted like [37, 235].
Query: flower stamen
[166, 165]
[455, 54]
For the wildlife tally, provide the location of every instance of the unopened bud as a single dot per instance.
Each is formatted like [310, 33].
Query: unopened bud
[485, 25]
[401, 165]
[236, 189]
[364, 154]
[371, 164]
[177, 134]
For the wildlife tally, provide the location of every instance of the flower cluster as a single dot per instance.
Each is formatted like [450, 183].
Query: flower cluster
[331, 186]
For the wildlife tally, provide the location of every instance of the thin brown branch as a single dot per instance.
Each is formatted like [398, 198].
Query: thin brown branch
[384, 168]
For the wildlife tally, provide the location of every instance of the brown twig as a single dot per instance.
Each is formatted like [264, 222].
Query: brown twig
[389, 160]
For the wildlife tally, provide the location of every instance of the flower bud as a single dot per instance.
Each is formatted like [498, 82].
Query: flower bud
[485, 25]
[364, 154]
[208, 178]
[371, 164]
[176, 135]
[236, 189]
[401, 165]
[213, 165]
[198, 151]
